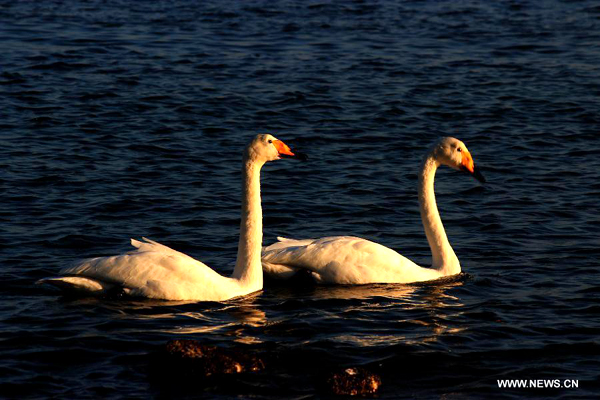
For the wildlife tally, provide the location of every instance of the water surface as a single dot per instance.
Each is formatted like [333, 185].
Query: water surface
[127, 119]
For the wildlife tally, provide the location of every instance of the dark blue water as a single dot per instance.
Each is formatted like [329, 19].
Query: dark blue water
[124, 119]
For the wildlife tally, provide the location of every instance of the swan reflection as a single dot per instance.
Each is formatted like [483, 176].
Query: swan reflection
[231, 318]
[410, 314]
[357, 315]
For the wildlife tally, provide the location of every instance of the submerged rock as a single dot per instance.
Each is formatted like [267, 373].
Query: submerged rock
[186, 357]
[186, 366]
[353, 382]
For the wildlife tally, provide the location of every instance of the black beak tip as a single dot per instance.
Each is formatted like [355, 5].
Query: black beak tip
[477, 175]
[300, 156]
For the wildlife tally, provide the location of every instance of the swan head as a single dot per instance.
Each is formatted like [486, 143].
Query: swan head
[265, 147]
[453, 153]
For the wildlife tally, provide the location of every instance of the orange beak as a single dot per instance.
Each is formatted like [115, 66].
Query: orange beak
[468, 165]
[467, 162]
[283, 148]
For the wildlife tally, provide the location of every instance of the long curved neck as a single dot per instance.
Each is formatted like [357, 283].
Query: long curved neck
[248, 268]
[443, 257]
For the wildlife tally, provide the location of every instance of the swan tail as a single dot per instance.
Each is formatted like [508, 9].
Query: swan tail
[285, 242]
[278, 271]
[147, 245]
[77, 285]
[273, 266]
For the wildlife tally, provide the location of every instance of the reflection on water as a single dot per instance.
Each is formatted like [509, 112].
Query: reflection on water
[229, 318]
[247, 316]
[408, 314]
[426, 305]
[433, 293]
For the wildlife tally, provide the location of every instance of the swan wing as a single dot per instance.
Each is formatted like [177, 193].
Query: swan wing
[342, 260]
[156, 271]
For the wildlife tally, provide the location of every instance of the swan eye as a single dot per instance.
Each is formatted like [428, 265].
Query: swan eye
[459, 150]
[270, 141]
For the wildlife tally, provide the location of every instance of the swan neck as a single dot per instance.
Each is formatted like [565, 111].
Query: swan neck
[248, 268]
[443, 256]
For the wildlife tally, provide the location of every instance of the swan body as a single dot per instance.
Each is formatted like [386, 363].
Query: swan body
[156, 271]
[352, 260]
[343, 260]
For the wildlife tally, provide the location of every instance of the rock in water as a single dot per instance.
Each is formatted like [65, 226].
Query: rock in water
[354, 382]
[191, 358]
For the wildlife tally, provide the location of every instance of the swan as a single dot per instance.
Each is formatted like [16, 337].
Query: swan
[159, 272]
[352, 260]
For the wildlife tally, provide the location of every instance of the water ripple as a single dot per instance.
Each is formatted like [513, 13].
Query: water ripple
[125, 120]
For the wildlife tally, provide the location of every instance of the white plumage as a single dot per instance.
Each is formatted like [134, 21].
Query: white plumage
[156, 271]
[352, 260]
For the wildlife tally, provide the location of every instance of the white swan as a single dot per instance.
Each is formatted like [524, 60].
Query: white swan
[159, 272]
[352, 260]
